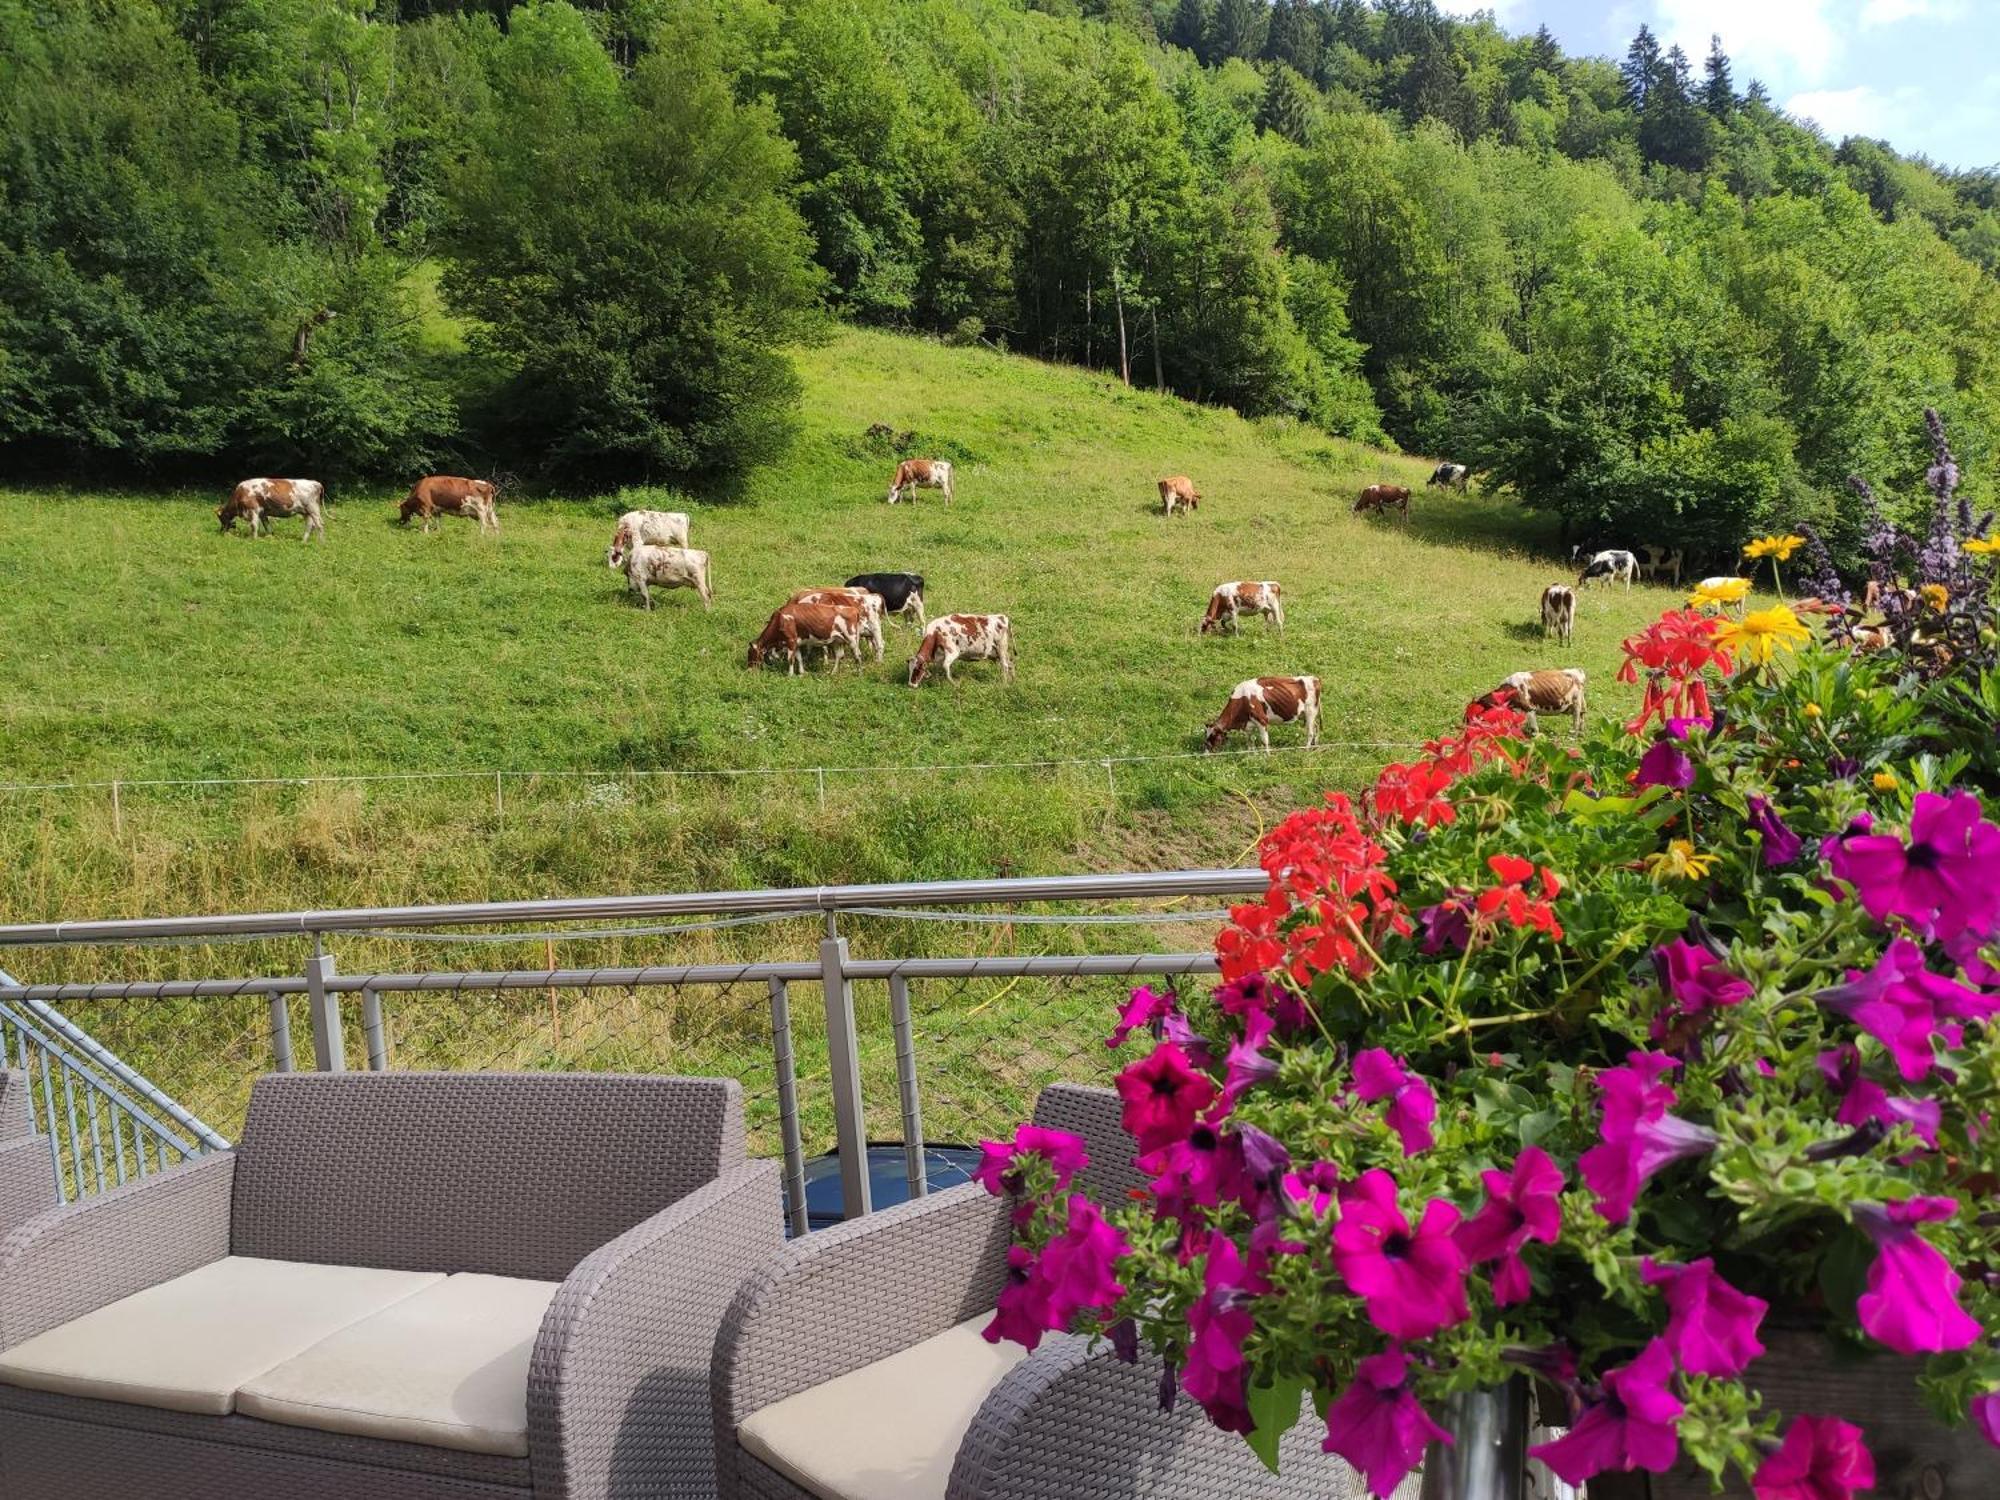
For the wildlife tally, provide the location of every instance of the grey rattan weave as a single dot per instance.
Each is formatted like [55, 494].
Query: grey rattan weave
[1064, 1424]
[27, 1171]
[631, 1191]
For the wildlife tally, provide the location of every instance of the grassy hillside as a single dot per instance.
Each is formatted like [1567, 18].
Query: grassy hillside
[143, 644]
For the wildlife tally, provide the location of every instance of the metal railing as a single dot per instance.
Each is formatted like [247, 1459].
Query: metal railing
[989, 1071]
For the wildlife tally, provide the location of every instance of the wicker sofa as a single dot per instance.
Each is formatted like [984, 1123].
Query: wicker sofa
[850, 1367]
[399, 1286]
[27, 1176]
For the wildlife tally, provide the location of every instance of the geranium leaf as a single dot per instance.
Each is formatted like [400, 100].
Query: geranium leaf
[1274, 1408]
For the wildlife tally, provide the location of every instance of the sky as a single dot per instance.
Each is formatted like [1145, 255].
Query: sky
[1922, 74]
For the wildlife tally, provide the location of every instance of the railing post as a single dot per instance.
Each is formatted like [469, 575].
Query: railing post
[785, 1065]
[323, 1010]
[372, 1033]
[843, 1058]
[906, 1086]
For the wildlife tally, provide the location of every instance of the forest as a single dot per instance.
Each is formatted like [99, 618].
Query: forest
[576, 244]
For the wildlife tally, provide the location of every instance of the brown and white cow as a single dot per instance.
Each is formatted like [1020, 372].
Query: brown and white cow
[448, 495]
[1383, 497]
[658, 528]
[868, 602]
[1254, 703]
[1244, 597]
[648, 567]
[260, 500]
[1178, 490]
[793, 628]
[952, 638]
[1552, 691]
[921, 474]
[1559, 611]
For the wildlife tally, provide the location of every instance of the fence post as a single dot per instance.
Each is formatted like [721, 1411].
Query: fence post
[906, 1086]
[117, 812]
[323, 1010]
[785, 1064]
[371, 1030]
[499, 800]
[282, 1058]
[843, 1058]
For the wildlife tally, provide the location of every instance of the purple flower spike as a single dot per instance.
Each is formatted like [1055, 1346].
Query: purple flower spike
[1911, 1302]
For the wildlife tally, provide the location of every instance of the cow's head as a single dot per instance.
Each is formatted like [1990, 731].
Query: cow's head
[756, 657]
[1212, 735]
[226, 514]
[919, 669]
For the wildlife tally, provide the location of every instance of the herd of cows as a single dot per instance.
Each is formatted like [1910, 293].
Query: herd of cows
[652, 548]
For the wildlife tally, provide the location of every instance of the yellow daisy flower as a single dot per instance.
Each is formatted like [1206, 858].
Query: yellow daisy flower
[1982, 546]
[1759, 635]
[1728, 591]
[1936, 595]
[1885, 781]
[1780, 547]
[1678, 861]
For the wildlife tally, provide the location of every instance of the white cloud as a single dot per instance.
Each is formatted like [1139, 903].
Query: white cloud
[1889, 12]
[1843, 112]
[1789, 43]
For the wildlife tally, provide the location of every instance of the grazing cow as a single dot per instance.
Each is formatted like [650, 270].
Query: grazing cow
[794, 627]
[258, 500]
[448, 495]
[1233, 599]
[647, 567]
[900, 593]
[921, 474]
[1559, 611]
[1545, 692]
[1656, 561]
[1449, 476]
[1254, 703]
[869, 604]
[1610, 567]
[950, 638]
[657, 528]
[1178, 490]
[1384, 497]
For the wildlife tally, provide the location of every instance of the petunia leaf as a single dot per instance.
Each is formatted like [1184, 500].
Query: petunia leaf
[1274, 1408]
[1587, 809]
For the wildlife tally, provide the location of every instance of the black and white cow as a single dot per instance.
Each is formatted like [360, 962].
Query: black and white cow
[900, 593]
[1449, 476]
[1610, 567]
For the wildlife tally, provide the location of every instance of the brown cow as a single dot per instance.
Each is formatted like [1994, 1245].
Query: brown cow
[446, 494]
[1547, 692]
[1244, 597]
[921, 474]
[256, 500]
[1253, 704]
[1178, 489]
[1384, 497]
[951, 638]
[792, 627]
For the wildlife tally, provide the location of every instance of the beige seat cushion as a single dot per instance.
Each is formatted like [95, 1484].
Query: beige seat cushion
[887, 1431]
[189, 1343]
[447, 1367]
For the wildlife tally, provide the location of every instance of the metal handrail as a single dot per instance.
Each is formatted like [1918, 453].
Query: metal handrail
[807, 900]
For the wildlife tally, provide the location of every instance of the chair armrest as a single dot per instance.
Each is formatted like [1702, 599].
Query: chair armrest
[618, 1383]
[1067, 1422]
[847, 1296]
[27, 1180]
[76, 1259]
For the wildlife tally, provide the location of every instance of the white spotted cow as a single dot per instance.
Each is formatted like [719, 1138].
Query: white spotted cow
[658, 528]
[921, 474]
[952, 638]
[1559, 611]
[648, 567]
[1449, 476]
[260, 500]
[1550, 691]
[1244, 597]
[1610, 567]
[1254, 703]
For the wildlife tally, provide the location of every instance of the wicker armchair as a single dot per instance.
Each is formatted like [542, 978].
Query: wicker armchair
[27, 1175]
[403, 1286]
[849, 1368]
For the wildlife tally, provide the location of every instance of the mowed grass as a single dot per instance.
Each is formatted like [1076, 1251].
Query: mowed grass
[142, 644]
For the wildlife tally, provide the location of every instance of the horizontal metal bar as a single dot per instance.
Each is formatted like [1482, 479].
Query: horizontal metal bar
[593, 908]
[1038, 966]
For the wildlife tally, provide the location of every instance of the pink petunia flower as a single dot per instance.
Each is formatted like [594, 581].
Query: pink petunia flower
[1666, 764]
[1862, 1099]
[1146, 1009]
[999, 1161]
[1412, 1105]
[1246, 1066]
[1163, 1096]
[1413, 1282]
[1045, 1292]
[1520, 1206]
[1945, 880]
[1378, 1425]
[1903, 1005]
[1781, 845]
[1911, 1300]
[1631, 1428]
[1696, 980]
[1221, 1319]
[1986, 1416]
[1822, 1458]
[1711, 1327]
[1639, 1136]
